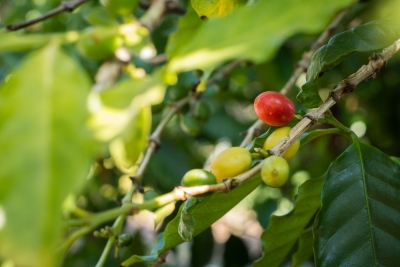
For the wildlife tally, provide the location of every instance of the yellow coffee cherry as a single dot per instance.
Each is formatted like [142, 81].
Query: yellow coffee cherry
[276, 137]
[230, 163]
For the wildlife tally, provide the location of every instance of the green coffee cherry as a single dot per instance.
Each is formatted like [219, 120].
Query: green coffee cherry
[201, 110]
[177, 92]
[190, 125]
[197, 177]
[275, 171]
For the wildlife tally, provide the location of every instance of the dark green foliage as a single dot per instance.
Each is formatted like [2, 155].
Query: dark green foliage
[367, 37]
[359, 220]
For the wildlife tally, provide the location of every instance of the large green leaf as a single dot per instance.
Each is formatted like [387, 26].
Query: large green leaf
[367, 37]
[251, 32]
[359, 222]
[199, 213]
[43, 153]
[284, 231]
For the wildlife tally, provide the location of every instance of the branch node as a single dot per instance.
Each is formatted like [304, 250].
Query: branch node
[230, 184]
[271, 152]
[335, 95]
[156, 142]
[161, 259]
[349, 87]
[134, 211]
[68, 6]
[312, 118]
[136, 181]
[181, 193]
[377, 62]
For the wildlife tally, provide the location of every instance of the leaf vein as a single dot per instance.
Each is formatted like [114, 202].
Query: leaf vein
[341, 227]
[357, 249]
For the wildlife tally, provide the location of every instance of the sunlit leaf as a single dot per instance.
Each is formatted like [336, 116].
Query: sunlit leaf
[212, 8]
[43, 153]
[188, 25]
[267, 25]
[116, 109]
[11, 42]
[367, 37]
[127, 148]
[283, 231]
[358, 223]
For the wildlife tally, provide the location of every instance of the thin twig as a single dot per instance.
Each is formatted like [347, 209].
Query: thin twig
[63, 7]
[155, 136]
[224, 71]
[300, 68]
[156, 12]
[303, 64]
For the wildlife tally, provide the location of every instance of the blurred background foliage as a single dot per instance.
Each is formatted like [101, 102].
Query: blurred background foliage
[372, 111]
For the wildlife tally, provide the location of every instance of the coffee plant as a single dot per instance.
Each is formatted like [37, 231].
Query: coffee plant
[140, 133]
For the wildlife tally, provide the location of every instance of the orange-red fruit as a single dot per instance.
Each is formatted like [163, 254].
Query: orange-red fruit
[274, 108]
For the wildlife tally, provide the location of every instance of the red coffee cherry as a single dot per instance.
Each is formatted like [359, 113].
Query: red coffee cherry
[274, 108]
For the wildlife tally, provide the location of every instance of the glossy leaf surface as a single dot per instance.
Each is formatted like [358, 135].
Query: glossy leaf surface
[358, 223]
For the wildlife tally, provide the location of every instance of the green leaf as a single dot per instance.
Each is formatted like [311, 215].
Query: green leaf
[305, 248]
[149, 90]
[11, 42]
[367, 37]
[127, 148]
[314, 134]
[211, 8]
[115, 110]
[283, 231]
[99, 16]
[359, 221]
[44, 155]
[259, 141]
[188, 26]
[187, 222]
[202, 212]
[268, 25]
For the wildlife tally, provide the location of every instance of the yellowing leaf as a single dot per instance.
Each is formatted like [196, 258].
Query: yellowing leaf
[213, 8]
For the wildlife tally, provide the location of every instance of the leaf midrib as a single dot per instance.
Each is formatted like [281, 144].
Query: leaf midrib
[357, 144]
